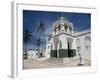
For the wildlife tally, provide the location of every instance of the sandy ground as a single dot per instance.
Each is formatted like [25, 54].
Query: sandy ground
[36, 64]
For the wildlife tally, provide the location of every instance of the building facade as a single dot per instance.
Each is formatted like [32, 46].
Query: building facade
[35, 53]
[65, 43]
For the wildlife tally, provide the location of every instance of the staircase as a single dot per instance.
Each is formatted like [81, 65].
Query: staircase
[57, 61]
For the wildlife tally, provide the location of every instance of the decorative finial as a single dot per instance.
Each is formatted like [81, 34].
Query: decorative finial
[62, 16]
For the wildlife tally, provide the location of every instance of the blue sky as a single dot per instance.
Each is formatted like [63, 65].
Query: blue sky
[31, 19]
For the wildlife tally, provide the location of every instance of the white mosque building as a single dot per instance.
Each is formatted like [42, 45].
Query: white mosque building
[65, 43]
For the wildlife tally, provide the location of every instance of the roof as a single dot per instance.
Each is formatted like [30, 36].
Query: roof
[61, 21]
[82, 32]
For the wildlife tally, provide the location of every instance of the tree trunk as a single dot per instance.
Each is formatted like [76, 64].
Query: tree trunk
[25, 51]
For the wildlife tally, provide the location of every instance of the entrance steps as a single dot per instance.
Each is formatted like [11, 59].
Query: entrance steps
[59, 60]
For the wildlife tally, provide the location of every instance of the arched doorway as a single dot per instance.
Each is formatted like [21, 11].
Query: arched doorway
[71, 52]
[69, 48]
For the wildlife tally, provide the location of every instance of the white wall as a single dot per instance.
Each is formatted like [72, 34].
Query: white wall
[32, 54]
[86, 54]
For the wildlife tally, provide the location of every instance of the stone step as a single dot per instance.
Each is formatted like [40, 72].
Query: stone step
[58, 60]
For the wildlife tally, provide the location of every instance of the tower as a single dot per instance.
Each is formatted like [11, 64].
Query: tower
[62, 40]
[62, 26]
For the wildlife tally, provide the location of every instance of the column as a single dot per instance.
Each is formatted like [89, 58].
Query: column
[58, 50]
[68, 30]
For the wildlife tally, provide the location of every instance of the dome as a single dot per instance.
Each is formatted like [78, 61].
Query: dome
[62, 25]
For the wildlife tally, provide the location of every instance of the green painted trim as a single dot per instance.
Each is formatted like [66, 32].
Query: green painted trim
[63, 53]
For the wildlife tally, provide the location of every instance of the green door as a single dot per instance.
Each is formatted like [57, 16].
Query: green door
[53, 53]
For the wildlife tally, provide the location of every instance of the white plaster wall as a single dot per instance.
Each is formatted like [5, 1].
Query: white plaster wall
[47, 54]
[32, 54]
[86, 54]
[62, 38]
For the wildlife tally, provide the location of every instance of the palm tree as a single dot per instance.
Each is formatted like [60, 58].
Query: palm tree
[40, 30]
[38, 42]
[26, 38]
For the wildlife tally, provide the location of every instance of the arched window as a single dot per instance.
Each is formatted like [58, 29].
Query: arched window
[87, 42]
[78, 49]
[55, 30]
[60, 45]
[78, 42]
[65, 27]
[59, 28]
[70, 29]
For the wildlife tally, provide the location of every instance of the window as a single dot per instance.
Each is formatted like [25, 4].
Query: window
[87, 40]
[55, 30]
[65, 27]
[78, 42]
[86, 47]
[78, 49]
[59, 27]
[70, 29]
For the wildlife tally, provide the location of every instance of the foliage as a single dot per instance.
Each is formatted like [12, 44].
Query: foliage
[40, 30]
[27, 35]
